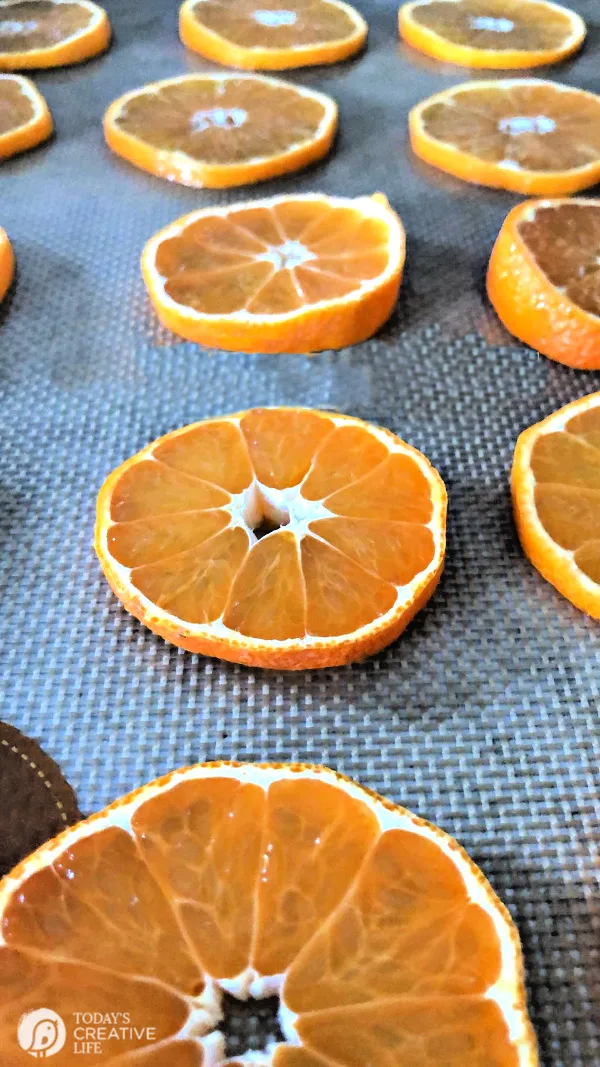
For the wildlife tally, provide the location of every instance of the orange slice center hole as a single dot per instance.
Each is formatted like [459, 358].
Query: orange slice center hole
[274, 18]
[286, 256]
[486, 22]
[249, 1026]
[519, 124]
[12, 28]
[220, 118]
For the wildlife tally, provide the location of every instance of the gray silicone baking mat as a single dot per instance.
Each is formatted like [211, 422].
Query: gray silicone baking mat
[484, 715]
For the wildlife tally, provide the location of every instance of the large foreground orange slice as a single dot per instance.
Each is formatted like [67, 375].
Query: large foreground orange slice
[7, 263]
[278, 537]
[25, 120]
[216, 130]
[556, 495]
[287, 274]
[50, 33]
[544, 278]
[492, 33]
[384, 942]
[273, 34]
[528, 135]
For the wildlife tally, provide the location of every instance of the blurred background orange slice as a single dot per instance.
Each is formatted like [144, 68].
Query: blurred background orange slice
[274, 34]
[528, 135]
[25, 120]
[492, 33]
[279, 537]
[544, 278]
[7, 263]
[50, 33]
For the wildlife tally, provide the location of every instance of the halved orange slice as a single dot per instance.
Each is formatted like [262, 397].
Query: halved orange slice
[287, 274]
[278, 537]
[50, 33]
[556, 495]
[216, 130]
[25, 120]
[272, 34]
[544, 278]
[383, 941]
[528, 135]
[492, 33]
[7, 263]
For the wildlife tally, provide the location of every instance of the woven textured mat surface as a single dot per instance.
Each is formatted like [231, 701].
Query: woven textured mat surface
[484, 715]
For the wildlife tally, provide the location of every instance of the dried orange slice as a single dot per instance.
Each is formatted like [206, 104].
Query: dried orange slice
[272, 34]
[7, 263]
[528, 135]
[278, 537]
[287, 274]
[50, 33]
[544, 278]
[382, 939]
[25, 120]
[556, 495]
[492, 33]
[216, 130]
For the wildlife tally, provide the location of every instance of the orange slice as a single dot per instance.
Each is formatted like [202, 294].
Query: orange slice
[544, 278]
[287, 274]
[274, 34]
[216, 130]
[382, 939]
[7, 263]
[528, 135]
[50, 33]
[492, 33]
[25, 120]
[278, 537]
[556, 495]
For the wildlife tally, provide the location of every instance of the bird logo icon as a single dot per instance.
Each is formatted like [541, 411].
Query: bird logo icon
[41, 1033]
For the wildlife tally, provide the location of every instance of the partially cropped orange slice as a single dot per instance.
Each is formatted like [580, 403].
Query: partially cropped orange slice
[50, 33]
[272, 34]
[544, 278]
[278, 537]
[383, 941]
[218, 130]
[492, 33]
[528, 135]
[25, 120]
[287, 274]
[7, 263]
[556, 495]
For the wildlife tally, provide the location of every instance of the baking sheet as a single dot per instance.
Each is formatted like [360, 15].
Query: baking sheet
[484, 715]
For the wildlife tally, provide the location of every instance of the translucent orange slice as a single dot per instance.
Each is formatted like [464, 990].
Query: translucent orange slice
[383, 941]
[287, 274]
[492, 33]
[278, 537]
[216, 130]
[556, 495]
[273, 34]
[528, 135]
[7, 263]
[25, 120]
[50, 33]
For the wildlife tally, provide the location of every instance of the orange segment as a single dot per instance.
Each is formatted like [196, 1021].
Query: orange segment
[282, 443]
[268, 600]
[216, 130]
[340, 596]
[397, 490]
[272, 35]
[7, 263]
[492, 33]
[346, 454]
[528, 135]
[215, 452]
[134, 544]
[25, 120]
[394, 551]
[50, 33]
[157, 489]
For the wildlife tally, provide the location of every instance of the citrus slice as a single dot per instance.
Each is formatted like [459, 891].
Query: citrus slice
[492, 33]
[50, 33]
[287, 274]
[278, 537]
[274, 34]
[7, 263]
[382, 939]
[216, 130]
[25, 120]
[556, 496]
[544, 278]
[528, 135]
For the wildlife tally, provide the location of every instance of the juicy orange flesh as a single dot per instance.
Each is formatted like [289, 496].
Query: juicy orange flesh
[272, 261]
[37, 24]
[297, 878]
[566, 468]
[16, 109]
[565, 242]
[171, 526]
[223, 120]
[533, 127]
[276, 24]
[499, 25]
